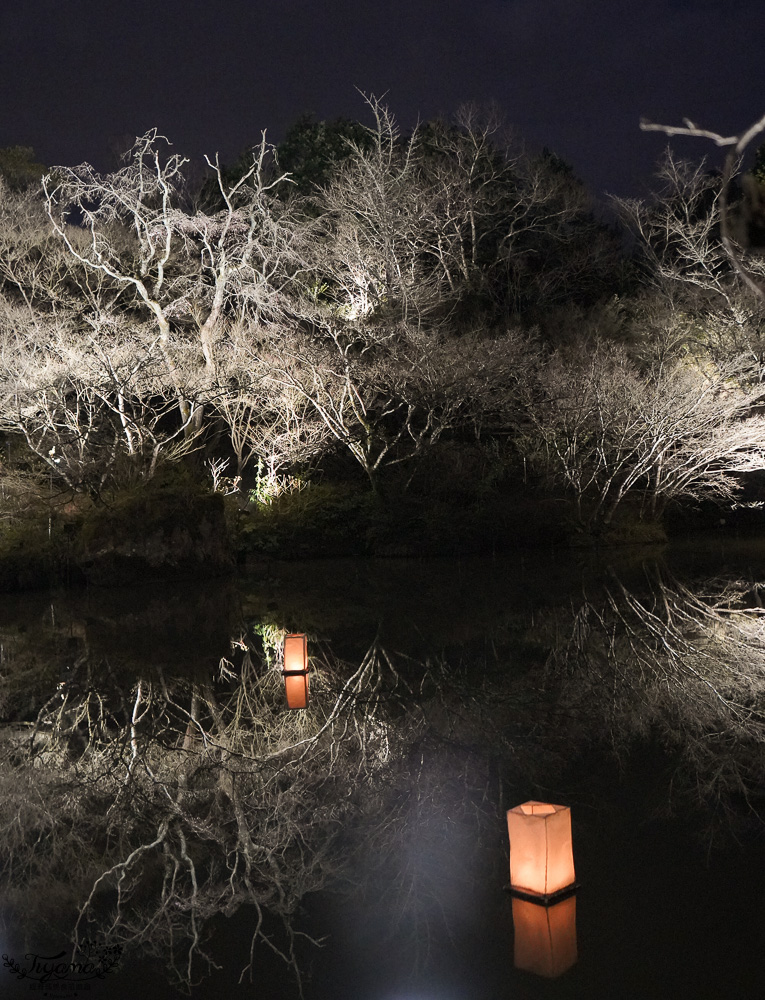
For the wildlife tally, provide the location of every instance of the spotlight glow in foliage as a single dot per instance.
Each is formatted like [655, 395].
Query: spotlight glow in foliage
[296, 670]
[541, 852]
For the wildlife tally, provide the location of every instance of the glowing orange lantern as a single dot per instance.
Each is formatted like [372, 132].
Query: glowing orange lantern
[541, 853]
[296, 670]
[545, 936]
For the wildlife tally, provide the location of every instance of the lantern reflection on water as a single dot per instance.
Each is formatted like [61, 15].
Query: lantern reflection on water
[541, 853]
[545, 936]
[296, 670]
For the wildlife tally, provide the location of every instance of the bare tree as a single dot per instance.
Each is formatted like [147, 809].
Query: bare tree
[687, 261]
[92, 399]
[736, 146]
[606, 431]
[34, 268]
[408, 225]
[131, 227]
[470, 169]
[369, 236]
[388, 394]
[268, 421]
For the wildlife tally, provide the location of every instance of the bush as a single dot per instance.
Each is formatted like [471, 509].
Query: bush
[323, 519]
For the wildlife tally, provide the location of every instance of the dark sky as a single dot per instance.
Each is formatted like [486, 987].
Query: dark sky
[78, 77]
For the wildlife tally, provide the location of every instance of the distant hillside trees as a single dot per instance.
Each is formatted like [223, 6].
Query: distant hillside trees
[360, 298]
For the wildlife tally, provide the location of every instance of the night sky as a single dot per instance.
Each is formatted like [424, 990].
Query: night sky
[78, 79]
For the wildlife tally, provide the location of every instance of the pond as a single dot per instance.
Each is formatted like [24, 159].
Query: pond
[169, 825]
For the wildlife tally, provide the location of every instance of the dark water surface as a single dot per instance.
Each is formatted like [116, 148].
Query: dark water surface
[631, 689]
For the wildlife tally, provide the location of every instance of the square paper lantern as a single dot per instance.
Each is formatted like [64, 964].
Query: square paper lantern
[296, 670]
[541, 853]
[545, 936]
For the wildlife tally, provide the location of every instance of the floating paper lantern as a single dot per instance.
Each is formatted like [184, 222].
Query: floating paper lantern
[541, 853]
[296, 670]
[545, 936]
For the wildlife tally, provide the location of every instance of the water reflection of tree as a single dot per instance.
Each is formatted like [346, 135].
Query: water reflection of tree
[679, 665]
[659, 664]
[149, 805]
[154, 808]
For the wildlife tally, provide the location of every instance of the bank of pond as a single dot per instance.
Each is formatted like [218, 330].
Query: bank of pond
[175, 527]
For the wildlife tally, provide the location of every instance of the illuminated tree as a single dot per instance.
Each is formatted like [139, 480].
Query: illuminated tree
[179, 268]
[606, 430]
[736, 146]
